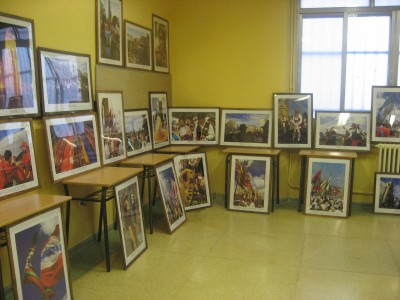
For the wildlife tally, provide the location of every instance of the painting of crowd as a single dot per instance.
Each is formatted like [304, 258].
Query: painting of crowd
[388, 115]
[193, 126]
[137, 132]
[389, 193]
[110, 29]
[138, 47]
[353, 134]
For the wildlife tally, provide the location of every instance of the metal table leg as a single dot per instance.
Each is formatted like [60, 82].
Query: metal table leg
[104, 217]
[302, 181]
[67, 213]
[227, 164]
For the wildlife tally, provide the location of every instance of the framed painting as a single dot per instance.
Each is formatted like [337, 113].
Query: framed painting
[387, 193]
[248, 128]
[385, 114]
[159, 119]
[18, 92]
[249, 183]
[160, 44]
[72, 144]
[17, 158]
[112, 128]
[39, 258]
[292, 116]
[130, 220]
[342, 130]
[192, 176]
[108, 28]
[193, 126]
[137, 132]
[66, 81]
[138, 50]
[171, 199]
[328, 187]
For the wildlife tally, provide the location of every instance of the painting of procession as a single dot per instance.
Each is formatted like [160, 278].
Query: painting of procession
[137, 132]
[249, 183]
[387, 193]
[17, 158]
[138, 51]
[328, 183]
[342, 131]
[159, 119]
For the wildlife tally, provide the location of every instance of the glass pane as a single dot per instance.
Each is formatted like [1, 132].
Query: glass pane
[387, 2]
[333, 3]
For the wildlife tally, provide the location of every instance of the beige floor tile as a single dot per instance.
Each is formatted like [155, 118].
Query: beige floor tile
[390, 225]
[97, 294]
[395, 247]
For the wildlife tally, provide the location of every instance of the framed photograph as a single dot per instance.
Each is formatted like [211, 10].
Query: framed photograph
[342, 130]
[138, 51]
[72, 145]
[18, 92]
[160, 44]
[65, 81]
[387, 193]
[39, 257]
[192, 175]
[292, 115]
[171, 198]
[109, 30]
[17, 158]
[385, 114]
[112, 128]
[328, 186]
[159, 119]
[130, 220]
[249, 128]
[137, 132]
[193, 126]
[249, 184]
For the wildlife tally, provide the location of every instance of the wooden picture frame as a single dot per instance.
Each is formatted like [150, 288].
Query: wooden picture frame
[246, 128]
[72, 144]
[66, 81]
[137, 132]
[138, 47]
[160, 44]
[386, 193]
[19, 96]
[159, 119]
[39, 257]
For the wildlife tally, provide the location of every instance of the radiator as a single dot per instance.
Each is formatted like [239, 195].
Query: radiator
[389, 158]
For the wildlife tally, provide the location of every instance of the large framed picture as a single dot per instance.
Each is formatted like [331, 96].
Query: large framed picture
[387, 193]
[17, 158]
[137, 132]
[171, 199]
[109, 31]
[249, 128]
[130, 220]
[328, 187]
[112, 128]
[159, 119]
[18, 82]
[39, 257]
[249, 187]
[160, 44]
[192, 175]
[342, 130]
[72, 145]
[196, 126]
[65, 81]
[138, 50]
[385, 114]
[292, 116]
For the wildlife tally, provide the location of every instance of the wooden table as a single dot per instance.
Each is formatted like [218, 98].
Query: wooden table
[106, 178]
[178, 149]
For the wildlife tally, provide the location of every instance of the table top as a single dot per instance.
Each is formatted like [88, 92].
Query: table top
[244, 150]
[104, 177]
[326, 153]
[17, 208]
[180, 149]
[147, 160]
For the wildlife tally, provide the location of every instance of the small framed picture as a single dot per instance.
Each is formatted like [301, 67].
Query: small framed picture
[72, 145]
[193, 126]
[65, 81]
[109, 32]
[137, 132]
[159, 119]
[192, 175]
[38, 256]
[171, 199]
[328, 187]
[112, 128]
[292, 116]
[250, 178]
[138, 51]
[385, 114]
[342, 130]
[130, 220]
[387, 193]
[18, 92]
[160, 44]
[17, 158]
[248, 128]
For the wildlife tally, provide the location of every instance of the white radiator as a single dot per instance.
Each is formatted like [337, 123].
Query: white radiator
[389, 158]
